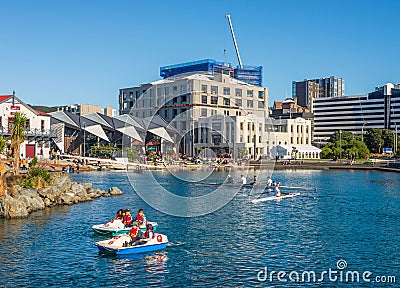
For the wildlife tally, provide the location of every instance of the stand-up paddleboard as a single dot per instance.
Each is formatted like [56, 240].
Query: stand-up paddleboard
[275, 197]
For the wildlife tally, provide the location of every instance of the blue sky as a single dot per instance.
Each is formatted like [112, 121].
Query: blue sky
[65, 52]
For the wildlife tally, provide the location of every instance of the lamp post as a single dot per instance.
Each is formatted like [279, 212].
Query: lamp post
[362, 131]
[340, 145]
[84, 139]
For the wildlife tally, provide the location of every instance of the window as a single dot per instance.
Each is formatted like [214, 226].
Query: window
[124, 95]
[175, 100]
[130, 95]
[158, 92]
[137, 93]
[238, 102]
[175, 90]
[183, 89]
[174, 112]
[249, 93]
[125, 105]
[42, 125]
[204, 99]
[183, 126]
[204, 88]
[151, 92]
[216, 139]
[214, 89]
[166, 89]
[227, 101]
[216, 126]
[183, 99]
[238, 92]
[249, 103]
[227, 91]
[261, 104]
[203, 112]
[261, 94]
[214, 100]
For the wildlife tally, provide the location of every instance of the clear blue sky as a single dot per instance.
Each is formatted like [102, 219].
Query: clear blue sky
[65, 52]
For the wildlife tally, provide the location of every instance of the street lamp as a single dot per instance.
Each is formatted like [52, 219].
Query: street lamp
[340, 143]
[362, 131]
[84, 139]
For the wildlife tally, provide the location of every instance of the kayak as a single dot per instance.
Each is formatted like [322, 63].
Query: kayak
[116, 227]
[275, 197]
[120, 245]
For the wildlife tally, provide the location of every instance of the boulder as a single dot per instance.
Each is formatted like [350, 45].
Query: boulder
[79, 190]
[47, 202]
[52, 193]
[87, 186]
[63, 183]
[68, 198]
[16, 208]
[114, 191]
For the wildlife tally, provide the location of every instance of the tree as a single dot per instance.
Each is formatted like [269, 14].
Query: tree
[344, 144]
[373, 139]
[3, 145]
[17, 137]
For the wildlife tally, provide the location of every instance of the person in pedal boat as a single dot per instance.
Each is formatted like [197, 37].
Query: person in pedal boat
[243, 179]
[127, 218]
[141, 218]
[136, 234]
[149, 234]
[120, 214]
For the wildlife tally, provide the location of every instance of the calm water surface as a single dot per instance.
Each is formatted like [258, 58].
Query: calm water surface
[353, 216]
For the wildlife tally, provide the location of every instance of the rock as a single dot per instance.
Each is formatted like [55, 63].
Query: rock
[93, 195]
[68, 198]
[87, 186]
[79, 190]
[114, 191]
[52, 193]
[47, 202]
[63, 183]
[16, 208]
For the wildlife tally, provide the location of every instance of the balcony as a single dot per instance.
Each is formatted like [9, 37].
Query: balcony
[31, 133]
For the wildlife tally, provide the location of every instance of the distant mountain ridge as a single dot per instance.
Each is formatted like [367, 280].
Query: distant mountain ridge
[44, 109]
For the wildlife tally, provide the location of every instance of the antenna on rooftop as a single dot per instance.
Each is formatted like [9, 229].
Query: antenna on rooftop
[234, 40]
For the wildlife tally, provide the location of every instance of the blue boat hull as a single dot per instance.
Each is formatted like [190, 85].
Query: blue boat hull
[135, 250]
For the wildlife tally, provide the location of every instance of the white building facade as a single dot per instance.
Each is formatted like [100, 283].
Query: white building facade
[37, 129]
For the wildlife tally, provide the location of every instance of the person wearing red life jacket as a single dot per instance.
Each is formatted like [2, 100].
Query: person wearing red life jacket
[127, 219]
[149, 234]
[135, 234]
[141, 218]
[120, 214]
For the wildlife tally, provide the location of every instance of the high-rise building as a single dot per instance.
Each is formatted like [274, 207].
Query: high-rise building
[307, 90]
[378, 109]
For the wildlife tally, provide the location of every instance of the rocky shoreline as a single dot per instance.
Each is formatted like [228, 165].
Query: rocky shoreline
[20, 202]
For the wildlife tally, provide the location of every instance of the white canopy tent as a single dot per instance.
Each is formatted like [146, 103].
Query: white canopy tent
[161, 132]
[97, 131]
[131, 132]
[296, 151]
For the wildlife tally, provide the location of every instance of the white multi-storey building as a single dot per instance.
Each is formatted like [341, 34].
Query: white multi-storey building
[183, 100]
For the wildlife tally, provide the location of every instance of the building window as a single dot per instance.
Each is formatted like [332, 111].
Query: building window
[238, 92]
[183, 89]
[204, 99]
[174, 112]
[137, 94]
[227, 91]
[125, 105]
[183, 99]
[227, 101]
[216, 126]
[166, 89]
[261, 94]
[175, 90]
[249, 93]
[204, 88]
[261, 104]
[214, 100]
[183, 126]
[124, 95]
[130, 95]
[238, 102]
[249, 103]
[175, 100]
[158, 92]
[203, 112]
[214, 89]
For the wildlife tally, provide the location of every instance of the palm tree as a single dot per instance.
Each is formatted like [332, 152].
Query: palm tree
[17, 137]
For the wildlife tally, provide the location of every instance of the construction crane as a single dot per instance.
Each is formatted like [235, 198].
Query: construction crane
[234, 40]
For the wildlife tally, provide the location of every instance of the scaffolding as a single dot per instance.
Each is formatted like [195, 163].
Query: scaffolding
[248, 74]
[206, 65]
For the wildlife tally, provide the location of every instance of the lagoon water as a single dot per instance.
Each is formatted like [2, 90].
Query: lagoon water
[352, 216]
